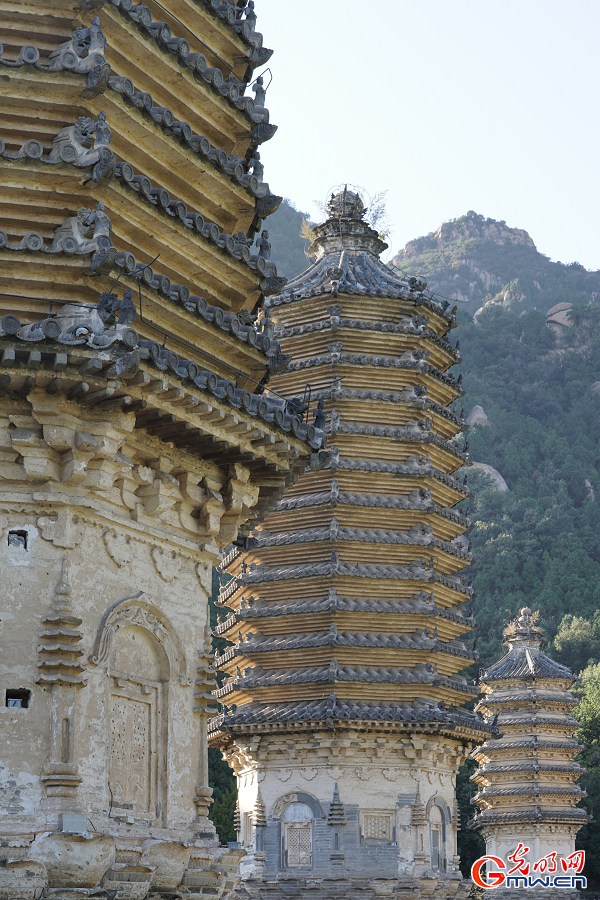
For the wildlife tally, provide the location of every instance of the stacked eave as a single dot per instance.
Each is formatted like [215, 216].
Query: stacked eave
[527, 771]
[353, 587]
[40, 190]
[171, 167]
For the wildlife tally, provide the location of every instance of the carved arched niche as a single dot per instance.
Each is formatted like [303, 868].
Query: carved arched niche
[139, 612]
[142, 654]
[297, 812]
[297, 797]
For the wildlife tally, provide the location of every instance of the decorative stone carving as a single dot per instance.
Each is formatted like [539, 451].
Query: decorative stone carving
[73, 860]
[86, 232]
[83, 52]
[137, 611]
[202, 802]
[264, 247]
[61, 650]
[96, 325]
[62, 528]
[166, 564]
[119, 547]
[131, 882]
[336, 815]
[418, 814]
[280, 805]
[170, 858]
[73, 144]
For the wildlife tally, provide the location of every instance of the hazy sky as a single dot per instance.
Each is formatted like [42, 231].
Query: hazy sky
[451, 105]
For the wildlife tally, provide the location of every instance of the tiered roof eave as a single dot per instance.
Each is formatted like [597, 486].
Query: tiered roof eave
[298, 632]
[527, 771]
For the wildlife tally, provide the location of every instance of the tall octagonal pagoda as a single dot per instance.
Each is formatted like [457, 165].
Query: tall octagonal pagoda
[134, 439]
[343, 704]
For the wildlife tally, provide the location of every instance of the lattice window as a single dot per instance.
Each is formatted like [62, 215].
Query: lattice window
[377, 828]
[131, 753]
[299, 845]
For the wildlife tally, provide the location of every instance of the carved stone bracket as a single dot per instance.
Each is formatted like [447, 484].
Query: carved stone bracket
[62, 529]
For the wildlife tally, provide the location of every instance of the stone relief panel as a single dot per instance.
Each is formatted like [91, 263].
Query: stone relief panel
[119, 547]
[166, 564]
[282, 803]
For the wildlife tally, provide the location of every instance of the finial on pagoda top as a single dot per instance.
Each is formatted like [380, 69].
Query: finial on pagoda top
[347, 226]
[347, 204]
[524, 631]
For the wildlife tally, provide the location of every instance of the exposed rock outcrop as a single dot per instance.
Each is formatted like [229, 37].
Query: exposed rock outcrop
[494, 474]
[477, 416]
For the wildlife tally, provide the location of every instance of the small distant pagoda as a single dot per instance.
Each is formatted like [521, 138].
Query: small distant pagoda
[526, 776]
[343, 714]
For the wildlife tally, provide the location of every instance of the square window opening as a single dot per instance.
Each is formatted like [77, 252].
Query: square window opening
[17, 699]
[18, 538]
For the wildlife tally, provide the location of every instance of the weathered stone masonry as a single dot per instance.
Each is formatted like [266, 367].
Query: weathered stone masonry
[134, 441]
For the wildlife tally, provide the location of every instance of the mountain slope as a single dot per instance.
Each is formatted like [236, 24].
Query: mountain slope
[537, 544]
[477, 261]
[287, 246]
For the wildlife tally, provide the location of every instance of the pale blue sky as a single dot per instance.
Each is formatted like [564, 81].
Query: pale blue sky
[450, 104]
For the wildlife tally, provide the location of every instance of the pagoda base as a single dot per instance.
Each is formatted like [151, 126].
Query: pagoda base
[451, 887]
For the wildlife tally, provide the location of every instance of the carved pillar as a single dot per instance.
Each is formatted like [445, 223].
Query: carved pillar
[257, 859]
[418, 820]
[61, 668]
[455, 826]
[237, 820]
[336, 818]
[202, 696]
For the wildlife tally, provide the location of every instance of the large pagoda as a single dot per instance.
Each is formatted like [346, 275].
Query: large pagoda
[135, 438]
[347, 609]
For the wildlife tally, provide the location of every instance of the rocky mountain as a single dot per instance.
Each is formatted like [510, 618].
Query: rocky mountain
[480, 262]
